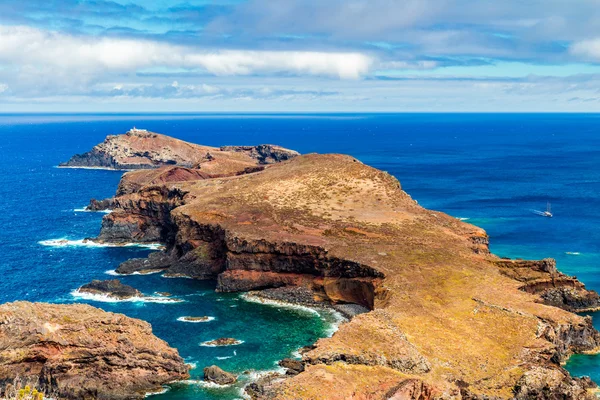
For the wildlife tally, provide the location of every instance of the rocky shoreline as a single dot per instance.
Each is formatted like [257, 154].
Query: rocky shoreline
[432, 314]
[303, 297]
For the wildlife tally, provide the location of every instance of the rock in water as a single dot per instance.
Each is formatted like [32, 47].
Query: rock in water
[195, 319]
[222, 342]
[157, 261]
[100, 205]
[216, 375]
[77, 351]
[113, 288]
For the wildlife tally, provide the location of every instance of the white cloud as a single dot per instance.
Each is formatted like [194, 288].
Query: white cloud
[408, 65]
[35, 51]
[210, 89]
[3, 88]
[587, 49]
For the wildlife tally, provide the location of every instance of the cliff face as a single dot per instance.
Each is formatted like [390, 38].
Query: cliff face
[81, 352]
[448, 321]
[554, 288]
[140, 149]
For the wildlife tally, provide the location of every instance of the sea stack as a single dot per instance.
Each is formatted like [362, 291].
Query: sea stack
[111, 288]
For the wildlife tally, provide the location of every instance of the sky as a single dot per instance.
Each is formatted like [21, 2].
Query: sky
[300, 55]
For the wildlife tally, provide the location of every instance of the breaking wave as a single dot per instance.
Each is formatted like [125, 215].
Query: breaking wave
[63, 242]
[104, 298]
[184, 319]
[92, 211]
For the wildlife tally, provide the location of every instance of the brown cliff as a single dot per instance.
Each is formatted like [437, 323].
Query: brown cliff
[80, 352]
[447, 320]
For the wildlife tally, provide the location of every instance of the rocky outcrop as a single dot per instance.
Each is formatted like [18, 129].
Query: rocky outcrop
[263, 387]
[413, 389]
[293, 367]
[112, 288]
[216, 375]
[100, 205]
[264, 153]
[348, 234]
[553, 287]
[551, 383]
[155, 262]
[141, 149]
[374, 327]
[81, 352]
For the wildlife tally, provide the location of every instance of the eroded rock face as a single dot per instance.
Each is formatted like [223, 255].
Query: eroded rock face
[112, 288]
[446, 317]
[80, 352]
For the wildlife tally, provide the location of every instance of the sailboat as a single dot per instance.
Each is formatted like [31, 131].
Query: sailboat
[547, 213]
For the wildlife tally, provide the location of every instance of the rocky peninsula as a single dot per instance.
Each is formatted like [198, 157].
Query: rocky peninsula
[446, 318]
[141, 149]
[80, 352]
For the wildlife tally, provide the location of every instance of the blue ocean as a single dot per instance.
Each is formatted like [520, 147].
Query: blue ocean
[490, 169]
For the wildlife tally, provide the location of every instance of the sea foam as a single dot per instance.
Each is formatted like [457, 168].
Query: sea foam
[63, 242]
[164, 390]
[279, 304]
[183, 319]
[334, 325]
[104, 298]
[92, 211]
[204, 384]
[112, 272]
[93, 168]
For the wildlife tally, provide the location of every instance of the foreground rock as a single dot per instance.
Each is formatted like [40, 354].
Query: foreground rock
[112, 288]
[446, 319]
[80, 352]
[141, 149]
[216, 375]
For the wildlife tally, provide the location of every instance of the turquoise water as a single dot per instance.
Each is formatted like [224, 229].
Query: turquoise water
[492, 169]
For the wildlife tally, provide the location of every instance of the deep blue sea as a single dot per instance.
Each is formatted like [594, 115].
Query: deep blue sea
[490, 168]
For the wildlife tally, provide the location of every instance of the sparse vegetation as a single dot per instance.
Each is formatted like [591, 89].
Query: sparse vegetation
[24, 390]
